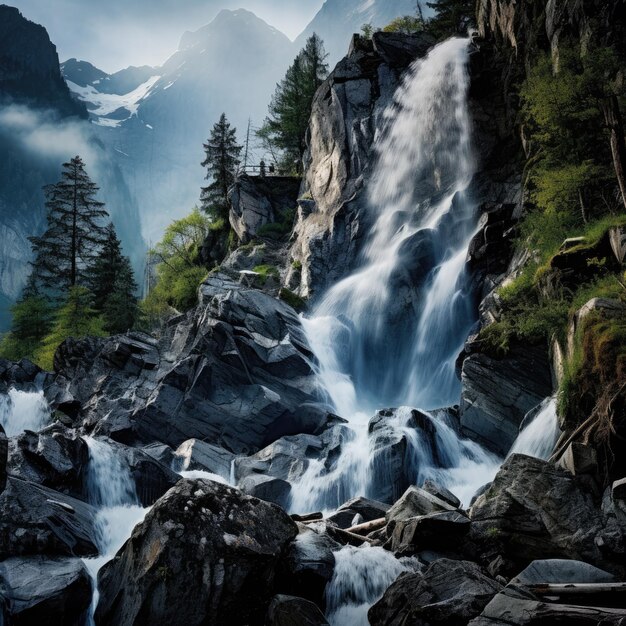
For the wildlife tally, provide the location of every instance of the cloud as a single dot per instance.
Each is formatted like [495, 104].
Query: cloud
[45, 137]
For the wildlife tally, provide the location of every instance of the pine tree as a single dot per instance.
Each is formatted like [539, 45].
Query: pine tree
[290, 108]
[452, 17]
[222, 159]
[74, 233]
[112, 282]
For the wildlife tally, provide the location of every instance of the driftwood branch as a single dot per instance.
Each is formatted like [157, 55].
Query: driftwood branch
[565, 589]
[367, 527]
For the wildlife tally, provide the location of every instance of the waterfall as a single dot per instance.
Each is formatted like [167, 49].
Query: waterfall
[360, 578]
[540, 431]
[111, 489]
[23, 410]
[388, 335]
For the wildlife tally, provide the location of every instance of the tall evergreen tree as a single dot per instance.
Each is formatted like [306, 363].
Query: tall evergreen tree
[75, 230]
[221, 160]
[290, 108]
[112, 282]
[452, 17]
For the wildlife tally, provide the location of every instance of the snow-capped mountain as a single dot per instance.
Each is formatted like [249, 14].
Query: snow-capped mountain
[158, 123]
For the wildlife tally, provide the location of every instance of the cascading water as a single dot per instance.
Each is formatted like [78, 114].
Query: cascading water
[23, 410]
[388, 335]
[540, 431]
[110, 488]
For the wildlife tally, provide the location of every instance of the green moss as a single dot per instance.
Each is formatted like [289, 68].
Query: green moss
[292, 299]
[296, 265]
[280, 228]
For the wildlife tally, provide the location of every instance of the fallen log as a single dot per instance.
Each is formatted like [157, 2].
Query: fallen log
[367, 527]
[347, 537]
[564, 589]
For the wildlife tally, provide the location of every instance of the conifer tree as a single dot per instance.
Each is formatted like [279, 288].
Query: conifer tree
[221, 160]
[452, 17]
[112, 282]
[290, 108]
[75, 231]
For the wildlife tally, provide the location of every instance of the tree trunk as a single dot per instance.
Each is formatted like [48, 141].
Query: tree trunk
[613, 120]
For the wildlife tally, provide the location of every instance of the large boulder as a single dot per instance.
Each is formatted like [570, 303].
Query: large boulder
[358, 510]
[497, 394]
[55, 457]
[448, 592]
[205, 553]
[416, 502]
[194, 454]
[533, 510]
[38, 520]
[45, 591]
[309, 564]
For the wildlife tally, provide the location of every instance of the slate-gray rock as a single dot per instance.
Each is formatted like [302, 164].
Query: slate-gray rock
[267, 488]
[413, 503]
[448, 592]
[497, 394]
[45, 591]
[437, 531]
[38, 520]
[55, 457]
[4, 457]
[308, 564]
[194, 454]
[293, 611]
[533, 510]
[205, 553]
[364, 508]
[233, 372]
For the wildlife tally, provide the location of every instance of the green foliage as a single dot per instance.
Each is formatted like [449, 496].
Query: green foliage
[179, 271]
[292, 299]
[407, 24]
[76, 318]
[572, 167]
[296, 265]
[452, 17]
[32, 319]
[112, 281]
[278, 230]
[367, 30]
[290, 108]
[74, 233]
[221, 160]
[266, 271]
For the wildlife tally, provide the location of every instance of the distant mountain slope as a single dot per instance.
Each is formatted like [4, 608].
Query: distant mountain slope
[157, 129]
[41, 126]
[337, 20]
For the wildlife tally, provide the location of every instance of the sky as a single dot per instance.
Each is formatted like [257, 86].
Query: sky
[113, 34]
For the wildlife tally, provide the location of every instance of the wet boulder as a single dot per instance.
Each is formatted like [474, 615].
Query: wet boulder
[45, 591]
[447, 592]
[358, 510]
[38, 520]
[205, 553]
[497, 394]
[4, 455]
[194, 454]
[267, 488]
[534, 510]
[308, 564]
[55, 457]
[293, 611]
[436, 531]
[415, 502]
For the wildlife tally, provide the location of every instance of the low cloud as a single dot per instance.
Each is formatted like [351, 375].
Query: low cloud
[46, 137]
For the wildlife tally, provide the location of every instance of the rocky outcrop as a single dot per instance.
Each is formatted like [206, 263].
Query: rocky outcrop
[448, 592]
[235, 372]
[256, 201]
[332, 218]
[204, 554]
[497, 393]
[44, 591]
[533, 510]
